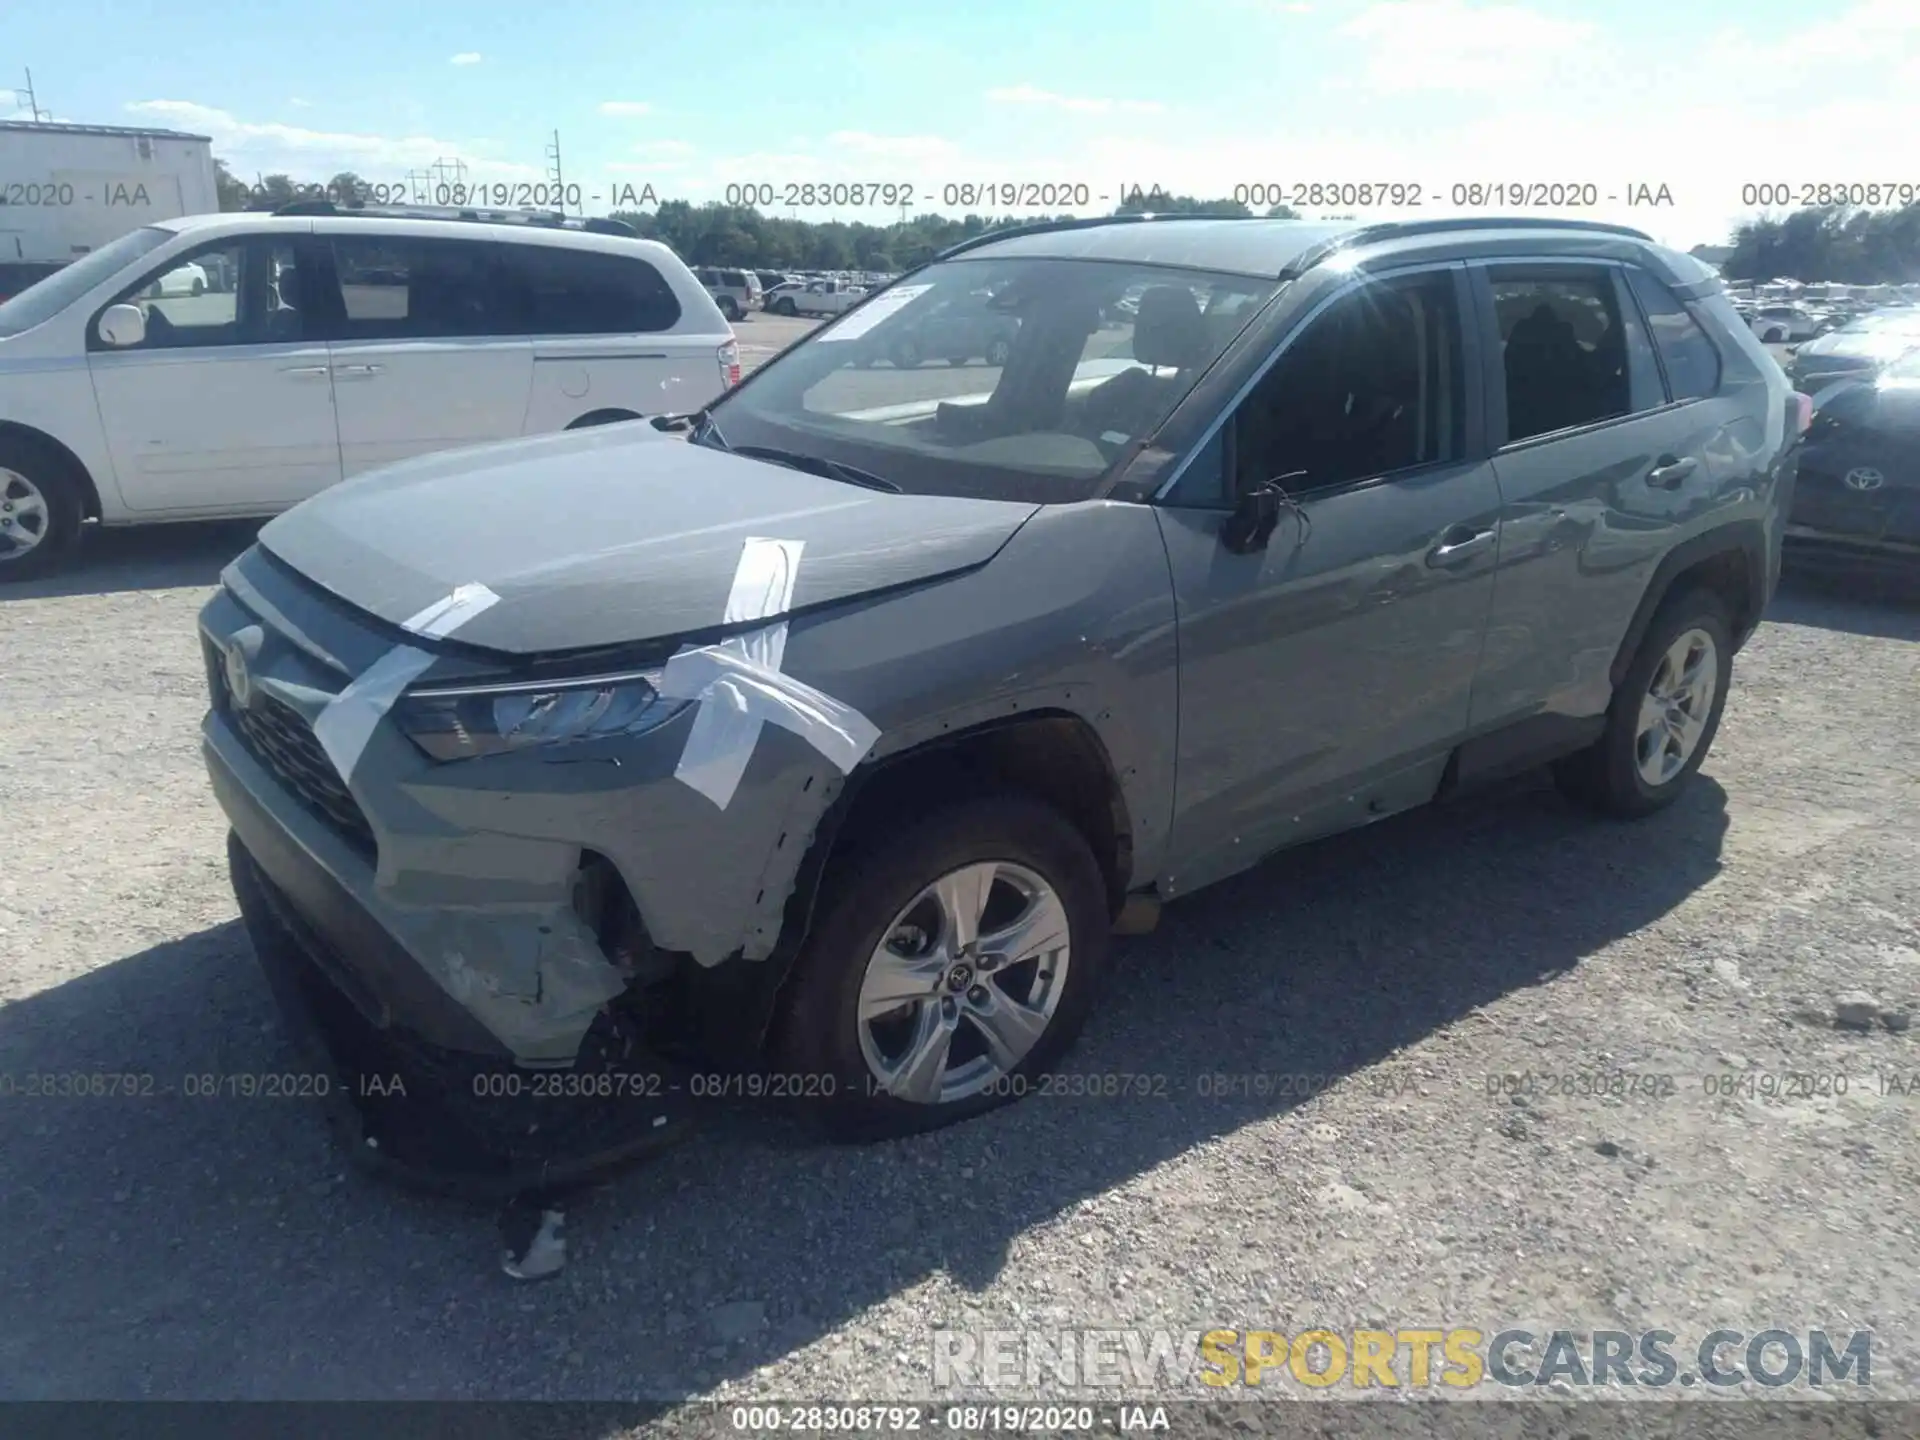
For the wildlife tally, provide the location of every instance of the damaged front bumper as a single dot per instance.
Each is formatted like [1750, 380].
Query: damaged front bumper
[502, 934]
[452, 1121]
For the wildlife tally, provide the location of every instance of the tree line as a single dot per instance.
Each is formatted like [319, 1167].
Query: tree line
[716, 234]
[1833, 242]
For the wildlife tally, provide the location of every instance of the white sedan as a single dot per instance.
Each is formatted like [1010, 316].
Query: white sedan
[187, 279]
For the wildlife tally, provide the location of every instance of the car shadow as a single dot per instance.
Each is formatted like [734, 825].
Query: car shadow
[1877, 606]
[148, 557]
[187, 1241]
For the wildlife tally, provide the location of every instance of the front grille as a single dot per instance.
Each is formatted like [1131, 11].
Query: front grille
[278, 737]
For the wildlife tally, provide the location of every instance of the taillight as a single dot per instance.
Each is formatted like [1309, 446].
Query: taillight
[1802, 413]
[730, 364]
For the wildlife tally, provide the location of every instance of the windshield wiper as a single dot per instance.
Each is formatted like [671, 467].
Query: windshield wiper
[819, 465]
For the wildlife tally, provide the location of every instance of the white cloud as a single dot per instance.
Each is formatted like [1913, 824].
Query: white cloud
[665, 149]
[1459, 45]
[1077, 104]
[625, 107]
[298, 103]
[466, 57]
[270, 148]
[927, 148]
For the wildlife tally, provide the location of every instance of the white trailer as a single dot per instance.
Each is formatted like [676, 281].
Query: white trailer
[69, 189]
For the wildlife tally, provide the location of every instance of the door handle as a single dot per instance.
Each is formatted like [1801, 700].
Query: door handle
[1668, 471]
[358, 369]
[1459, 545]
[304, 370]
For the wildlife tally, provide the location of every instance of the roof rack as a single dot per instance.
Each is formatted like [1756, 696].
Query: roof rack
[1394, 229]
[1078, 222]
[546, 219]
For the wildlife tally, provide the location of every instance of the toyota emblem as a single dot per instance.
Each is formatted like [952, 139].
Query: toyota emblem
[1863, 477]
[239, 682]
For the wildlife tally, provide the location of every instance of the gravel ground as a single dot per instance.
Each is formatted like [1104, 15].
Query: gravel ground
[173, 1247]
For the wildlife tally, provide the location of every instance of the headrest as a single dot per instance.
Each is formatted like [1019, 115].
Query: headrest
[1169, 329]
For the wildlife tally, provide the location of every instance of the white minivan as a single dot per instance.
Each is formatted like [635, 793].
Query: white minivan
[232, 365]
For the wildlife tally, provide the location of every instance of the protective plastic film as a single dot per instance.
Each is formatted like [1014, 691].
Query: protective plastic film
[347, 723]
[741, 687]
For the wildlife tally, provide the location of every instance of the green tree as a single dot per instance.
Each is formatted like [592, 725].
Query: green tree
[231, 190]
[347, 188]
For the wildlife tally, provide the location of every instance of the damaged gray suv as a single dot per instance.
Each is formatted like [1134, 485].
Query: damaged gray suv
[816, 743]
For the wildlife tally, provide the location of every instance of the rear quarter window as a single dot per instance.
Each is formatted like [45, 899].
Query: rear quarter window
[1691, 361]
[590, 292]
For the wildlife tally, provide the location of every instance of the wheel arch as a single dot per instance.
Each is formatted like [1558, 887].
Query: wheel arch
[611, 415]
[75, 468]
[1730, 560]
[1053, 755]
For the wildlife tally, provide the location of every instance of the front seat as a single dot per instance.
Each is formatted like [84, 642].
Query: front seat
[1168, 332]
[1546, 374]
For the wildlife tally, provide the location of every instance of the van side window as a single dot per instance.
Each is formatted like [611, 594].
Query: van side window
[1563, 349]
[242, 292]
[564, 291]
[407, 288]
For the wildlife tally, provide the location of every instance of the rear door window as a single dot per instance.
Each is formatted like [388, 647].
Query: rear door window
[1564, 349]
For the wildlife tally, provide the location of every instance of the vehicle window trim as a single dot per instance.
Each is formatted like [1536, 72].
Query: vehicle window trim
[96, 346]
[1473, 440]
[1631, 310]
[1686, 308]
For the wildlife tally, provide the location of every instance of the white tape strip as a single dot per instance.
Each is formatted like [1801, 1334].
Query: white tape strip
[346, 725]
[741, 687]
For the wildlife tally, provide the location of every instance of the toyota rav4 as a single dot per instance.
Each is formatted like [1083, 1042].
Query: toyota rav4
[834, 728]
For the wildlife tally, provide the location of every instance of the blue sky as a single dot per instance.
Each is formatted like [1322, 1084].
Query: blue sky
[1703, 96]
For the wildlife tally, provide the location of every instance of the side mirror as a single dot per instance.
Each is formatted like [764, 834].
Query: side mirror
[123, 325]
[1252, 522]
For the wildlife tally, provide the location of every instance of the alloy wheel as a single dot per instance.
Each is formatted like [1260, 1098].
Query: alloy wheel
[965, 983]
[23, 515]
[1676, 707]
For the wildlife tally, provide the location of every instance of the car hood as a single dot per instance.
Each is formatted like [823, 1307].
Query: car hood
[612, 535]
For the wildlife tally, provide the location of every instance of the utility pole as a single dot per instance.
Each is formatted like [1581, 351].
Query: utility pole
[555, 177]
[451, 174]
[33, 102]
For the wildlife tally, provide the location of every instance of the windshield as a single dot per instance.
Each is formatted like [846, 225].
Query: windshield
[1009, 379]
[39, 303]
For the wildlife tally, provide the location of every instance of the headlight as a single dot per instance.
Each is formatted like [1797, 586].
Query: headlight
[459, 724]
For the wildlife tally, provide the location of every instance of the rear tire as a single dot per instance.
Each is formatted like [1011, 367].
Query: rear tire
[728, 308]
[882, 924]
[40, 510]
[1663, 717]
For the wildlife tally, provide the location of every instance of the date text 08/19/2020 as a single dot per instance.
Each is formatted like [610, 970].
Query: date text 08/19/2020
[970, 195]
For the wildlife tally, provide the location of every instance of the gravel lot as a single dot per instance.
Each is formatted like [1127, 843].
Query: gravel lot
[194, 1248]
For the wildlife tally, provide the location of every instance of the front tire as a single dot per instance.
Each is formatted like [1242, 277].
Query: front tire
[955, 959]
[40, 510]
[1664, 714]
